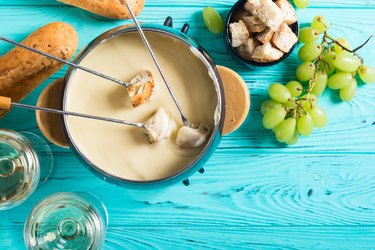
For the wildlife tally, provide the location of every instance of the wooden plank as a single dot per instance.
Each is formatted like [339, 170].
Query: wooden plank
[250, 201]
[255, 193]
[351, 124]
[125, 237]
[202, 4]
[242, 191]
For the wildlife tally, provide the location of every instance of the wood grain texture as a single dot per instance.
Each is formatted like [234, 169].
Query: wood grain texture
[237, 99]
[52, 125]
[312, 198]
[256, 193]
[194, 3]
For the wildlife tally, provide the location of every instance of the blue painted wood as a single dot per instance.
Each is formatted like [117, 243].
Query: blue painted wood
[255, 193]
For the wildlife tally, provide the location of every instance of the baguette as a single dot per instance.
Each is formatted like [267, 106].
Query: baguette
[21, 70]
[114, 9]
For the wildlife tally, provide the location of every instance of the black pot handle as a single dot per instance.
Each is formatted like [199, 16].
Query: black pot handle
[168, 22]
[185, 28]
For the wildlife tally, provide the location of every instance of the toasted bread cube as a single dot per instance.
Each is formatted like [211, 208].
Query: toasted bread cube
[289, 12]
[141, 88]
[265, 36]
[284, 39]
[239, 32]
[254, 24]
[266, 53]
[252, 5]
[269, 13]
[246, 50]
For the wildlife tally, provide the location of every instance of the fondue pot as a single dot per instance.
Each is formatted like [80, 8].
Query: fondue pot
[233, 102]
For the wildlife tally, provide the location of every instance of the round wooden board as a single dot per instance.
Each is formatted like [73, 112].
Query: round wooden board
[237, 98]
[51, 125]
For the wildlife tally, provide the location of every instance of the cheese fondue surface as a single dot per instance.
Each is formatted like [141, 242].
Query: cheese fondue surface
[124, 151]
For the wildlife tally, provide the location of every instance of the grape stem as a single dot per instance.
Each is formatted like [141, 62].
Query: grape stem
[354, 51]
[362, 45]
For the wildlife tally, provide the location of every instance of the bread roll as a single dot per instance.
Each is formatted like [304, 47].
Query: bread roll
[114, 9]
[22, 70]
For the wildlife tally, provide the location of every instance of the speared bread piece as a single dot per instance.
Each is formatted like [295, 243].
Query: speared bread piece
[192, 136]
[246, 49]
[22, 70]
[114, 9]
[289, 12]
[254, 24]
[266, 53]
[284, 39]
[267, 11]
[265, 36]
[239, 33]
[141, 88]
[157, 127]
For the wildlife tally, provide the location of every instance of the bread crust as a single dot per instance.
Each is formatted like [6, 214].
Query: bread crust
[141, 92]
[114, 9]
[21, 70]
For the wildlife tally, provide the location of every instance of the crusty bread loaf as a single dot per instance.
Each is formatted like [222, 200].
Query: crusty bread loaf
[114, 9]
[21, 70]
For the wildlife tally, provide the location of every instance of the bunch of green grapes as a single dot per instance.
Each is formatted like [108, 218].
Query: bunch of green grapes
[292, 112]
[292, 109]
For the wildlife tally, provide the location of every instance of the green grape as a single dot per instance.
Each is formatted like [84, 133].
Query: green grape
[279, 92]
[301, 3]
[268, 105]
[294, 138]
[285, 130]
[291, 103]
[367, 74]
[320, 84]
[305, 71]
[319, 117]
[346, 62]
[353, 73]
[328, 55]
[213, 20]
[310, 51]
[305, 125]
[347, 93]
[308, 34]
[339, 80]
[328, 67]
[274, 117]
[319, 23]
[295, 88]
[337, 48]
[309, 101]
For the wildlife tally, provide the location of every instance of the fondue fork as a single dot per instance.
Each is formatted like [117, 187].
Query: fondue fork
[6, 103]
[156, 127]
[66, 62]
[145, 41]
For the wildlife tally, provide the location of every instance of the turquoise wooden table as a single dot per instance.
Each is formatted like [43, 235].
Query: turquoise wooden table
[256, 193]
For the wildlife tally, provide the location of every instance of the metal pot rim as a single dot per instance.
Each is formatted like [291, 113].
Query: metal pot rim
[206, 59]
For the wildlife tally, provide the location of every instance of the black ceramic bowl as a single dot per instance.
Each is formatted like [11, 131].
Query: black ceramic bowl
[233, 16]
